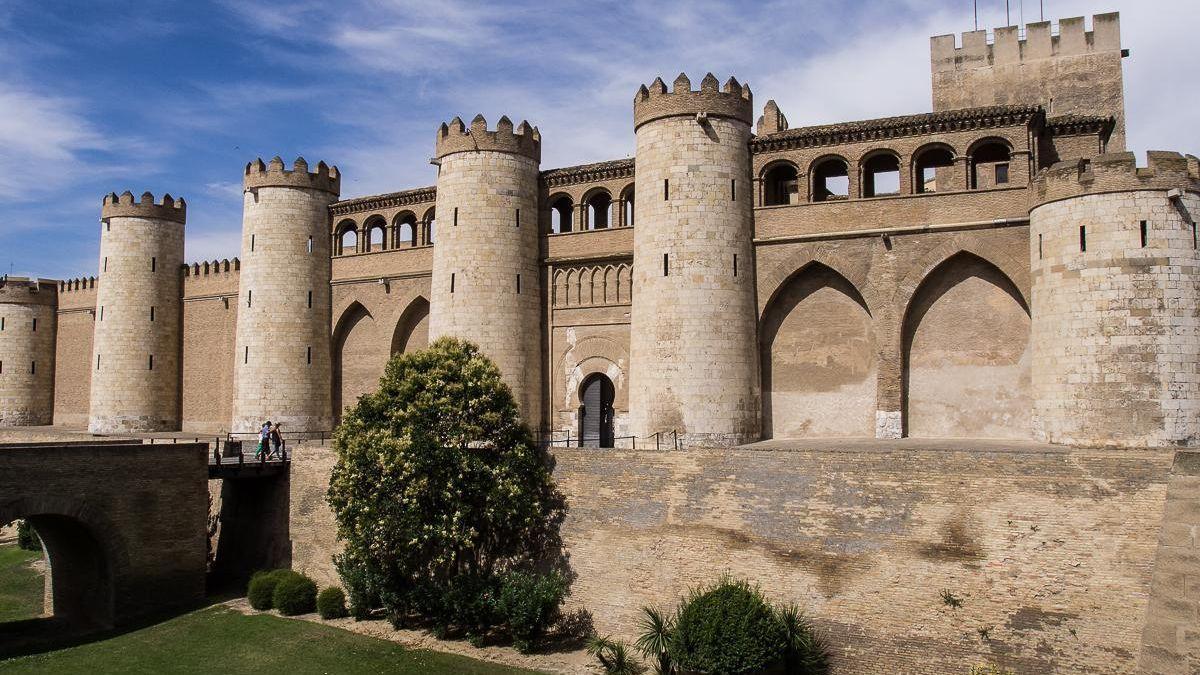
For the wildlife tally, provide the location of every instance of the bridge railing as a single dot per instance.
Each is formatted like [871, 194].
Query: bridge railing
[564, 439]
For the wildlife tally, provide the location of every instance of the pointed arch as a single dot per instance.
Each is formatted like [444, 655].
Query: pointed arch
[819, 357]
[412, 330]
[965, 353]
[354, 372]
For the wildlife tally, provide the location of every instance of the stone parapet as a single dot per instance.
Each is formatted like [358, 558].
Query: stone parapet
[654, 102]
[124, 206]
[1009, 48]
[456, 137]
[1117, 172]
[259, 175]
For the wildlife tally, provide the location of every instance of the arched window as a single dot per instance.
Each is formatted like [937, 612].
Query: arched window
[405, 226]
[430, 226]
[561, 210]
[346, 238]
[932, 169]
[781, 185]
[990, 162]
[376, 235]
[881, 175]
[627, 206]
[599, 211]
[830, 180]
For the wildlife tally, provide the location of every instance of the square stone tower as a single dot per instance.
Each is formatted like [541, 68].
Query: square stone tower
[1075, 72]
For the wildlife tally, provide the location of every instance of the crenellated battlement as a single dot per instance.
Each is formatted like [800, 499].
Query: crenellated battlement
[214, 267]
[456, 137]
[734, 101]
[1039, 42]
[77, 284]
[125, 206]
[27, 291]
[1117, 172]
[273, 174]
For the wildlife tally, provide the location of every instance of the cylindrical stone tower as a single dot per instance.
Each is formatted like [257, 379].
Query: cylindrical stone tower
[693, 334]
[27, 324]
[1115, 293]
[136, 349]
[486, 272]
[281, 368]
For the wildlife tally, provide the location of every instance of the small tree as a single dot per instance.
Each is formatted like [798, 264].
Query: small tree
[437, 480]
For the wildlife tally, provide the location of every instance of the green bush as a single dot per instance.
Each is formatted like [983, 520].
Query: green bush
[437, 480]
[362, 594]
[530, 603]
[295, 594]
[331, 603]
[806, 653]
[727, 628]
[471, 603]
[27, 537]
[261, 591]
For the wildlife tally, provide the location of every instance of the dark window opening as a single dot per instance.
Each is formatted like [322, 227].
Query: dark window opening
[310, 299]
[735, 264]
[1039, 247]
[97, 362]
[35, 325]
[151, 362]
[1001, 174]
[881, 176]
[733, 190]
[1082, 238]
[33, 367]
[153, 264]
[252, 243]
[518, 284]
[456, 216]
[1144, 234]
[452, 282]
[666, 189]
[666, 265]
[781, 186]
[560, 215]
[249, 298]
[1, 323]
[309, 356]
[101, 312]
[105, 267]
[991, 154]
[518, 217]
[599, 211]
[932, 171]
[246, 355]
[831, 181]
[151, 312]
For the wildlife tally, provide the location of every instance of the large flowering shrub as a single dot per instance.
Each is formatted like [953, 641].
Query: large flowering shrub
[438, 484]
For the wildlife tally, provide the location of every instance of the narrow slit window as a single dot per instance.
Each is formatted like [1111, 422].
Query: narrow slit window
[1082, 239]
[249, 298]
[1, 367]
[1, 323]
[735, 264]
[246, 355]
[518, 217]
[252, 243]
[310, 299]
[97, 362]
[452, 282]
[101, 312]
[108, 227]
[33, 367]
[310, 245]
[456, 216]
[1144, 234]
[35, 325]
[518, 284]
[666, 189]
[151, 312]
[733, 190]
[105, 268]
[1193, 234]
[309, 356]
[153, 264]
[666, 264]
[151, 362]
[1039, 247]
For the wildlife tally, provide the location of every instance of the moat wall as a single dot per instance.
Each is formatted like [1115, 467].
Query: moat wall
[1052, 550]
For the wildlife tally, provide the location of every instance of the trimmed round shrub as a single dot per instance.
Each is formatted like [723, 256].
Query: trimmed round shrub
[727, 628]
[331, 603]
[295, 594]
[261, 592]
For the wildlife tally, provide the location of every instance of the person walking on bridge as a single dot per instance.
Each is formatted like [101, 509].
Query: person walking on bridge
[264, 440]
[276, 442]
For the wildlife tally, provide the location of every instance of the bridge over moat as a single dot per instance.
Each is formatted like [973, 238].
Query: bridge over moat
[124, 526]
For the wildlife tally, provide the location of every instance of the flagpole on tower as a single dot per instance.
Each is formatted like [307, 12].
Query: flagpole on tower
[976, 14]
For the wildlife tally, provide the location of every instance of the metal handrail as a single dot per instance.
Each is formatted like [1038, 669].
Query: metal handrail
[548, 441]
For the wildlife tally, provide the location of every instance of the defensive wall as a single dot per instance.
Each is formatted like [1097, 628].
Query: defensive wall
[1052, 550]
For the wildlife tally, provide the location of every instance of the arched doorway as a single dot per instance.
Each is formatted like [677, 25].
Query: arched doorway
[966, 354]
[596, 412]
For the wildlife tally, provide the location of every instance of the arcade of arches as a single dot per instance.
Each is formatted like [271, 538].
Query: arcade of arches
[964, 355]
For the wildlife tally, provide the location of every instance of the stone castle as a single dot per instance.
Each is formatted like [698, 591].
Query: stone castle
[998, 267]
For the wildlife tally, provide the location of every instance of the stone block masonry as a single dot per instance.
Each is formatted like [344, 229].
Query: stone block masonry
[136, 358]
[27, 339]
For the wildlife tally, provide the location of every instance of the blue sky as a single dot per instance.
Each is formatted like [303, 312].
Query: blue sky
[176, 96]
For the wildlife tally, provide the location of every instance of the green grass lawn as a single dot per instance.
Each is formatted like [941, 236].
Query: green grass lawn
[221, 640]
[21, 588]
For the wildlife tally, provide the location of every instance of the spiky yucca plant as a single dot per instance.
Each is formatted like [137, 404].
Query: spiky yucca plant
[654, 639]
